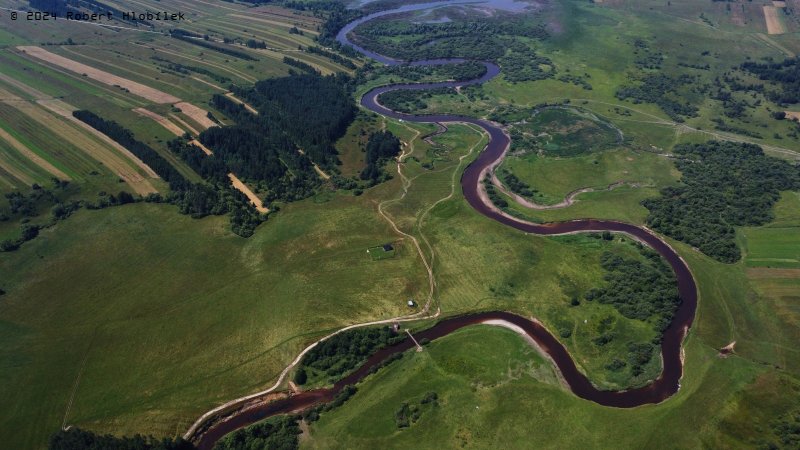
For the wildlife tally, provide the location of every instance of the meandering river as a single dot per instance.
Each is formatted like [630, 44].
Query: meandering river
[660, 389]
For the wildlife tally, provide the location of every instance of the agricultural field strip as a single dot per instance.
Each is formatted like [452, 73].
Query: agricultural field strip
[299, 25]
[197, 114]
[231, 71]
[121, 68]
[182, 122]
[65, 110]
[163, 121]
[774, 23]
[36, 159]
[12, 168]
[96, 150]
[271, 38]
[135, 88]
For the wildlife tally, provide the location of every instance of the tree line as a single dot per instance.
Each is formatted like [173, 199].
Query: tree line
[78, 439]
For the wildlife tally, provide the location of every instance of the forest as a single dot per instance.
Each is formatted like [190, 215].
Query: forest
[346, 351]
[313, 111]
[723, 185]
[381, 147]
[193, 199]
[660, 89]
[77, 439]
[639, 289]
[300, 118]
[785, 75]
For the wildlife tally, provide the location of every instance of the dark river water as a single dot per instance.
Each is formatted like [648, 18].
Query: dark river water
[660, 389]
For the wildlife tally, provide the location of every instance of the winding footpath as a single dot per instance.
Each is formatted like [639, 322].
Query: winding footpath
[238, 413]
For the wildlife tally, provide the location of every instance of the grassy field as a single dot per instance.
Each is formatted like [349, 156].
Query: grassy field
[554, 178]
[205, 315]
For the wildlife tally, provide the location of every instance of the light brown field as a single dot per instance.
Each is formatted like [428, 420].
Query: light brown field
[237, 183]
[231, 96]
[138, 89]
[36, 159]
[774, 23]
[199, 115]
[163, 121]
[793, 115]
[779, 4]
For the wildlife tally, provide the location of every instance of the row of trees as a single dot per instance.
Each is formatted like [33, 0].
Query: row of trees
[723, 184]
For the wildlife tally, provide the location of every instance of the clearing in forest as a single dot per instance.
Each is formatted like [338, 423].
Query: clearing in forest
[237, 183]
[774, 23]
[146, 92]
